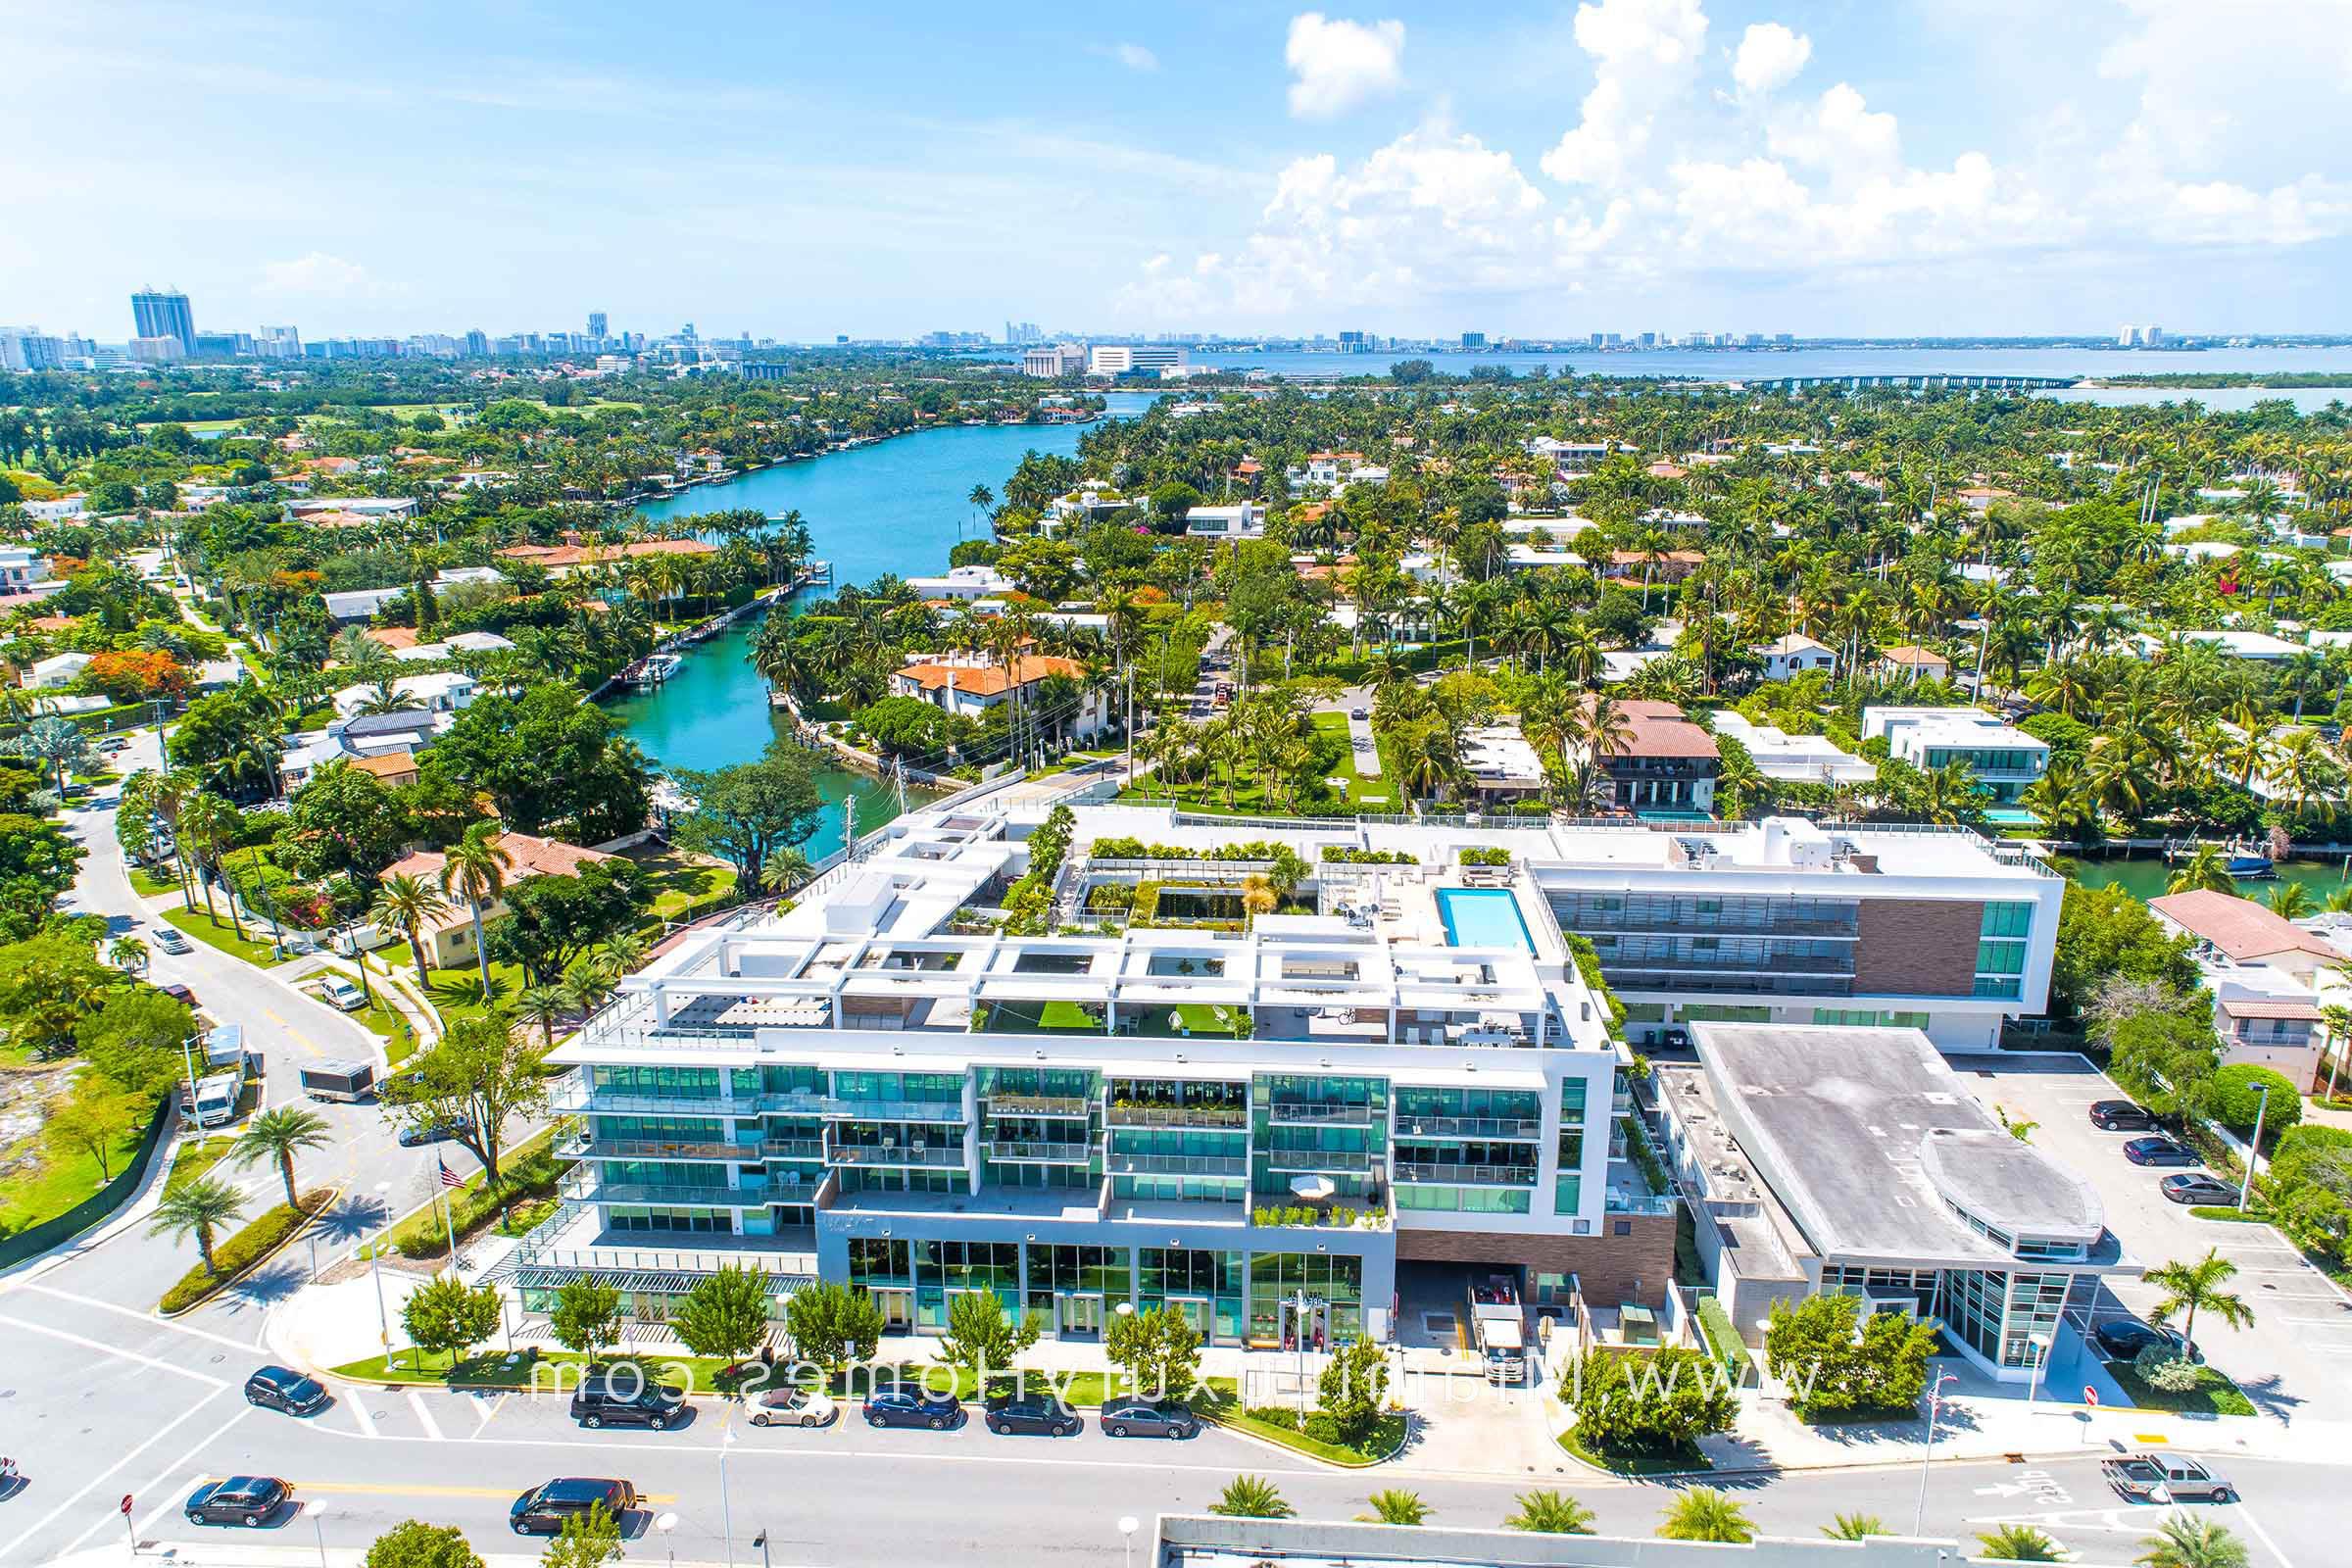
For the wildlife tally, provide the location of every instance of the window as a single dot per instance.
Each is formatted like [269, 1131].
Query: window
[2000, 957]
[2007, 920]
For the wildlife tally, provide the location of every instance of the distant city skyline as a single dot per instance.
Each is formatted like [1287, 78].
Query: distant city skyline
[1988, 168]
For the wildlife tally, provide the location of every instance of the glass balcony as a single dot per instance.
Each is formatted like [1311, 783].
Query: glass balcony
[1235, 1118]
[712, 1195]
[1318, 1113]
[934, 1157]
[1512, 1128]
[1118, 1164]
[1072, 1107]
[1466, 1175]
[1035, 1151]
[589, 1147]
[793, 1149]
[1321, 1160]
[916, 1110]
[1640, 1203]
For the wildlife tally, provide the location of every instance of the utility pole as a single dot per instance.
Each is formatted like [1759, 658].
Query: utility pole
[2254, 1148]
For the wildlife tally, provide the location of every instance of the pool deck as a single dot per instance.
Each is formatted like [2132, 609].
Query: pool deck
[1485, 927]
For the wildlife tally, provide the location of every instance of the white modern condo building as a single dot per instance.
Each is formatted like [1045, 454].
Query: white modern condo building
[1187, 1096]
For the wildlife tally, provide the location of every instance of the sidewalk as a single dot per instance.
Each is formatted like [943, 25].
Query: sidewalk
[238, 1551]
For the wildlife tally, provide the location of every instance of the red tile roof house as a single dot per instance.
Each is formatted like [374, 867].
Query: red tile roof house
[970, 686]
[1905, 661]
[2265, 973]
[1664, 763]
[449, 938]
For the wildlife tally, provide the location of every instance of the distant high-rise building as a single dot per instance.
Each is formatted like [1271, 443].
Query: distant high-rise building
[163, 313]
[1649, 340]
[1121, 359]
[477, 344]
[28, 348]
[277, 343]
[162, 349]
[597, 325]
[1474, 340]
[1356, 342]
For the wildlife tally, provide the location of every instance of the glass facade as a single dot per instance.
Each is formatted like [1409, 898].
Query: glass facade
[1334, 1288]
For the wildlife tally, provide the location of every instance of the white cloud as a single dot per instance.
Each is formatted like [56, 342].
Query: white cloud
[318, 276]
[1134, 56]
[1646, 54]
[1339, 64]
[1770, 56]
[1686, 166]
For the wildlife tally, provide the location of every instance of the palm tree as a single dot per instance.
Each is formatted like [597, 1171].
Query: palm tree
[2017, 1543]
[1393, 1506]
[2197, 1288]
[1551, 1514]
[406, 905]
[2203, 871]
[590, 987]
[1704, 1514]
[2185, 1541]
[542, 1006]
[783, 870]
[1855, 1526]
[2290, 901]
[1252, 1498]
[128, 952]
[981, 497]
[198, 1208]
[475, 870]
[280, 1134]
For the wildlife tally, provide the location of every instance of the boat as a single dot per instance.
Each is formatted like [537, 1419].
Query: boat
[2246, 860]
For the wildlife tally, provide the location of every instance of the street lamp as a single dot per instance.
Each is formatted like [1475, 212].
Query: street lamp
[2041, 1344]
[663, 1524]
[318, 1512]
[375, 1271]
[1128, 1526]
[2254, 1148]
[1935, 1403]
[726, 1514]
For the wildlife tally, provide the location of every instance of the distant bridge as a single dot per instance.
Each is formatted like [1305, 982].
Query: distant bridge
[1939, 381]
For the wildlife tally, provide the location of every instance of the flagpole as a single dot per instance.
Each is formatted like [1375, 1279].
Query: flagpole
[444, 1181]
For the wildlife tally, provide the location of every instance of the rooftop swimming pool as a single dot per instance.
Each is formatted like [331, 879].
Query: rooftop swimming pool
[1483, 917]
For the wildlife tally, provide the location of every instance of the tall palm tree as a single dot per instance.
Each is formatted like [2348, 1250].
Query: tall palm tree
[2204, 871]
[2198, 1288]
[280, 1134]
[783, 870]
[407, 905]
[2290, 901]
[2185, 1542]
[475, 869]
[1704, 1514]
[542, 1006]
[198, 1208]
[590, 987]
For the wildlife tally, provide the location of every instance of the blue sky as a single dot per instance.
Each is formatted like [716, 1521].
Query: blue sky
[797, 170]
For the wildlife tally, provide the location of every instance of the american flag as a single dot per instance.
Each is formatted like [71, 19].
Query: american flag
[448, 1178]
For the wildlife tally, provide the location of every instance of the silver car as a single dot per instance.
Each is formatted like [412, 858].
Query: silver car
[2162, 1478]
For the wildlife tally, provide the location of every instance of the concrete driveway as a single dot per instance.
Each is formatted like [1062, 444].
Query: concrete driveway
[2296, 1358]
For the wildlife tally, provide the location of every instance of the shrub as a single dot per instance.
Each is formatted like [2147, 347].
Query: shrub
[242, 1250]
[2162, 1367]
[1321, 1428]
[1631, 1404]
[2236, 1096]
[1474, 856]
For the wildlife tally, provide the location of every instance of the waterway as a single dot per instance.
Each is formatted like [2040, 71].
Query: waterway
[2143, 875]
[895, 506]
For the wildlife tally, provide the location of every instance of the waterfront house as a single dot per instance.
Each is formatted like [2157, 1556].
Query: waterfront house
[969, 685]
[2269, 977]
[2003, 759]
[445, 692]
[449, 937]
[1662, 765]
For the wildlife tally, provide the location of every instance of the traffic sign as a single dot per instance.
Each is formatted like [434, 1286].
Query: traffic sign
[2090, 1395]
[127, 1506]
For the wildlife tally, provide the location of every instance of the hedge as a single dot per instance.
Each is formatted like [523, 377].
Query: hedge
[243, 1251]
[525, 1173]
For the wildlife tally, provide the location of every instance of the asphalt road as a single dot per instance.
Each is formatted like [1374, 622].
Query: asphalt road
[163, 1414]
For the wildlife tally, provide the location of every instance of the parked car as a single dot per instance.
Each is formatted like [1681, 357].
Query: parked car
[2167, 1478]
[792, 1407]
[542, 1510]
[903, 1405]
[2124, 1338]
[2121, 1116]
[1150, 1418]
[2160, 1151]
[179, 993]
[170, 939]
[278, 1388]
[1033, 1413]
[342, 993]
[621, 1401]
[2195, 1187]
[1359, 712]
[438, 1132]
[238, 1500]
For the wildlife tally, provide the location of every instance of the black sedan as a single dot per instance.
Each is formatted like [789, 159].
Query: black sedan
[238, 1500]
[1033, 1413]
[2124, 1338]
[1145, 1418]
[436, 1133]
[903, 1406]
[2159, 1152]
[2121, 1116]
[278, 1388]
[2195, 1187]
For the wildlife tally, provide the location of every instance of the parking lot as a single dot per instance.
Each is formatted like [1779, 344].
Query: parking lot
[2296, 1357]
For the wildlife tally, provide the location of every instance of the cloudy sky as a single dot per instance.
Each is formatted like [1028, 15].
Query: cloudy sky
[1881, 167]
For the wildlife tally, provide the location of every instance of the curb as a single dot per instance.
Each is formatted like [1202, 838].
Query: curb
[226, 1281]
[1279, 1446]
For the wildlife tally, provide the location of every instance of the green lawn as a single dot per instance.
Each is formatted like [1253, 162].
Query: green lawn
[2214, 1395]
[458, 992]
[1198, 1018]
[1672, 1461]
[683, 885]
[1273, 1423]
[148, 885]
[217, 932]
[1361, 791]
[195, 1160]
[1029, 1017]
[56, 1179]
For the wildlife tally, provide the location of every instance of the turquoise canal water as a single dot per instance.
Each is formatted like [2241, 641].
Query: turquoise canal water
[2143, 875]
[895, 506]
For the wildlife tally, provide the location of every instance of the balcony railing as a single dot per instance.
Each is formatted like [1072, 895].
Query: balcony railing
[1318, 1113]
[1652, 978]
[1034, 1152]
[921, 1111]
[928, 1156]
[1321, 1160]
[576, 1099]
[1233, 1117]
[714, 1195]
[1641, 1203]
[1466, 1175]
[1072, 1107]
[795, 1104]
[593, 1148]
[793, 1149]
[1516, 1129]
[1176, 1165]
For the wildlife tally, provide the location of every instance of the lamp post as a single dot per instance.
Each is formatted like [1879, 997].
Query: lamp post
[318, 1512]
[726, 1514]
[2041, 1344]
[383, 1318]
[1128, 1526]
[1934, 1401]
[2254, 1148]
[663, 1524]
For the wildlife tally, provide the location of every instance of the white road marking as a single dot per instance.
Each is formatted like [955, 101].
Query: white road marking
[424, 1417]
[8, 1553]
[487, 1412]
[110, 1349]
[148, 1318]
[171, 1500]
[355, 1399]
